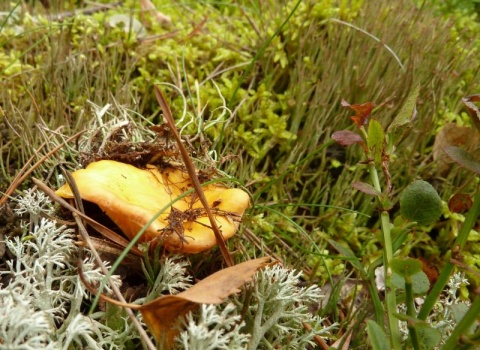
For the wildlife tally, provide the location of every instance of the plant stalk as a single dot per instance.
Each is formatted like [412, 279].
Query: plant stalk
[390, 300]
[444, 276]
[409, 300]
[464, 325]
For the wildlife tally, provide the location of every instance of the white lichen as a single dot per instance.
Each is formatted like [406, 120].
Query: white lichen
[213, 329]
[42, 296]
[274, 310]
[279, 308]
[442, 316]
[33, 203]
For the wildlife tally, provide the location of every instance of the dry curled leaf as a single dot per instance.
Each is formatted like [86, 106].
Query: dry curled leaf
[362, 112]
[365, 188]
[463, 158]
[162, 19]
[161, 314]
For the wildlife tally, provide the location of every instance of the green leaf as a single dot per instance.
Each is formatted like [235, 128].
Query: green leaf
[421, 203]
[406, 267]
[428, 337]
[408, 111]
[420, 282]
[366, 188]
[405, 318]
[346, 252]
[376, 140]
[398, 129]
[458, 311]
[463, 158]
[378, 338]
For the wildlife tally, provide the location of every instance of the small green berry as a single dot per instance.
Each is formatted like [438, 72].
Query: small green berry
[420, 202]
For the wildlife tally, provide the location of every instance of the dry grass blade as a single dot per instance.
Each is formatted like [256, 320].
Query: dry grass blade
[115, 289]
[193, 176]
[22, 175]
[319, 340]
[104, 231]
[76, 193]
[91, 289]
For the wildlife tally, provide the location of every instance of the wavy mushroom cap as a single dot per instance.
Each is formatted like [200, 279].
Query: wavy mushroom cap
[131, 197]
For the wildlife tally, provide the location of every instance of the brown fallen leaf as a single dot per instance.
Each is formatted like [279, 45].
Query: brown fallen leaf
[161, 314]
[453, 135]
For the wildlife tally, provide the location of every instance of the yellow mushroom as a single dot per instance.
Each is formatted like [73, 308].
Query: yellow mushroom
[131, 197]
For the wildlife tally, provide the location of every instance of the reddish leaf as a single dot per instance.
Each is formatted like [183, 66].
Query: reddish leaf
[365, 188]
[473, 110]
[362, 112]
[347, 138]
[460, 203]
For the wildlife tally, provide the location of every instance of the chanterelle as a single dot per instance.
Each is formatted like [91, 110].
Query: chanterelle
[131, 197]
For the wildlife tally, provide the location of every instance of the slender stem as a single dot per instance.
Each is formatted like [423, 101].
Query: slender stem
[391, 303]
[390, 299]
[377, 304]
[463, 326]
[411, 311]
[444, 276]
[387, 237]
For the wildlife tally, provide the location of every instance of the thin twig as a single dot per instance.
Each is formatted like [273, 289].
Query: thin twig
[318, 339]
[22, 175]
[114, 287]
[193, 176]
[86, 238]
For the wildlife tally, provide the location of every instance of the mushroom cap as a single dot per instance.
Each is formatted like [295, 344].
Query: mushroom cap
[131, 197]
